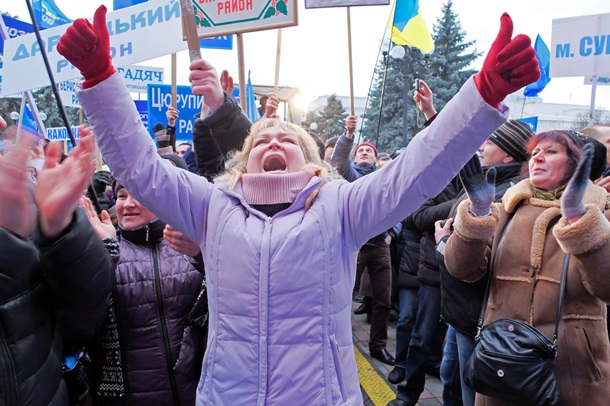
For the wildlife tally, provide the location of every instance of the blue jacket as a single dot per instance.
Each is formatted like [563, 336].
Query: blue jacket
[280, 288]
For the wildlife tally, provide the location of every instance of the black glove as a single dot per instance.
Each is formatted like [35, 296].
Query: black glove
[571, 200]
[479, 188]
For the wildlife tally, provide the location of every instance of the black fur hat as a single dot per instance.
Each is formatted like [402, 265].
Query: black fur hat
[598, 166]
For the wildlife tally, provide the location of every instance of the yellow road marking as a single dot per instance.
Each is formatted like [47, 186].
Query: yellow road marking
[375, 387]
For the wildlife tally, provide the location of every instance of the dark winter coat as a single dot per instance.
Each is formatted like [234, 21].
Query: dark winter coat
[155, 289]
[434, 209]
[51, 292]
[217, 135]
[408, 248]
[526, 274]
[461, 301]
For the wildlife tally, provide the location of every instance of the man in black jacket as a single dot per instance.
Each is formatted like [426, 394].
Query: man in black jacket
[56, 282]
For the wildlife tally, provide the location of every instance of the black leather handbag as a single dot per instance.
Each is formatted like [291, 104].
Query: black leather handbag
[513, 361]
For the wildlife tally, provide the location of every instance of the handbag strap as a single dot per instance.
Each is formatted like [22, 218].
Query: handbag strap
[562, 283]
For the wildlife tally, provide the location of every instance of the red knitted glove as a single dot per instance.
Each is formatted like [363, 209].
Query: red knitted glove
[509, 65]
[87, 47]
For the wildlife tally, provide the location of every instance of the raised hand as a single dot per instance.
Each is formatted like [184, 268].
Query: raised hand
[179, 242]
[479, 188]
[204, 82]
[226, 82]
[572, 205]
[273, 102]
[87, 47]
[424, 100]
[60, 187]
[172, 116]
[103, 227]
[351, 122]
[509, 65]
[16, 214]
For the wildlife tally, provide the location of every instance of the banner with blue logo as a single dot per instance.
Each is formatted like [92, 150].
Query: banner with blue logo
[532, 122]
[48, 15]
[142, 106]
[160, 98]
[14, 29]
[223, 42]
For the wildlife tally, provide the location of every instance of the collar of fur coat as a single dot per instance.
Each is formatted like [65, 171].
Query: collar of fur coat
[523, 191]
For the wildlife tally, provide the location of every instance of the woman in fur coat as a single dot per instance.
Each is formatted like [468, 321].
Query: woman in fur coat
[558, 210]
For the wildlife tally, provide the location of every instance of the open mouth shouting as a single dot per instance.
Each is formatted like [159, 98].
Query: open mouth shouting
[274, 163]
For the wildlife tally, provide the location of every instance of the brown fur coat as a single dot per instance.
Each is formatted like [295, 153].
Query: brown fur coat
[525, 284]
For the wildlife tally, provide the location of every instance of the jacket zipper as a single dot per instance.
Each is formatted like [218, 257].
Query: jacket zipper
[162, 321]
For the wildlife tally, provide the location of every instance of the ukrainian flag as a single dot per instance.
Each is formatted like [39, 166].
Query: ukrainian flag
[408, 26]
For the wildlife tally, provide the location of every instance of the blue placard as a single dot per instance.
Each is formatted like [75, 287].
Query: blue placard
[532, 122]
[159, 98]
[15, 28]
[142, 106]
[222, 42]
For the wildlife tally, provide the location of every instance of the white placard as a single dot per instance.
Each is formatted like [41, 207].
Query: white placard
[138, 33]
[67, 92]
[61, 133]
[599, 81]
[580, 46]
[214, 18]
[344, 3]
[137, 77]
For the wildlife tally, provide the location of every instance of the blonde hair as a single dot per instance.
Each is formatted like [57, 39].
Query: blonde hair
[236, 165]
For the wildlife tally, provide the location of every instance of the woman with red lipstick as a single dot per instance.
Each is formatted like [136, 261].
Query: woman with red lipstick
[558, 210]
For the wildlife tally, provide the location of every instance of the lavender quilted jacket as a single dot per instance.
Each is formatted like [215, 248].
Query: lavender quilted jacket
[280, 288]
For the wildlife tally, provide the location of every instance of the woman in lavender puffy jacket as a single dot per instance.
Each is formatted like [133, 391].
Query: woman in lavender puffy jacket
[279, 236]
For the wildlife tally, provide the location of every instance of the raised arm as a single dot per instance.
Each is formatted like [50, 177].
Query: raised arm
[340, 159]
[381, 199]
[123, 140]
[224, 129]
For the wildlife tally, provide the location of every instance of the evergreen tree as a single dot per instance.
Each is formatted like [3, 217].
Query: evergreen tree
[451, 58]
[46, 103]
[330, 121]
[445, 71]
[397, 93]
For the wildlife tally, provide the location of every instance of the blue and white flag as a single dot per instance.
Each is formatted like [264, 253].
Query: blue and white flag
[15, 28]
[544, 60]
[48, 15]
[251, 109]
[28, 124]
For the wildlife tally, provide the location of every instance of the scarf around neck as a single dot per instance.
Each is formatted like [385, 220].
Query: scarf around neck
[266, 188]
[548, 195]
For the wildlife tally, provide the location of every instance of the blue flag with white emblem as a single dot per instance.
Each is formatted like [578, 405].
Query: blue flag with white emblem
[48, 15]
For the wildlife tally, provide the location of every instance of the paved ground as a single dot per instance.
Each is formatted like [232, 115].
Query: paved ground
[373, 374]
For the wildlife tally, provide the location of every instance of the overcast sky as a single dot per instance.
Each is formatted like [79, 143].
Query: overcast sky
[314, 53]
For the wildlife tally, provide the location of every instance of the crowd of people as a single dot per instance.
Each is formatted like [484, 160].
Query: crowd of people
[223, 270]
